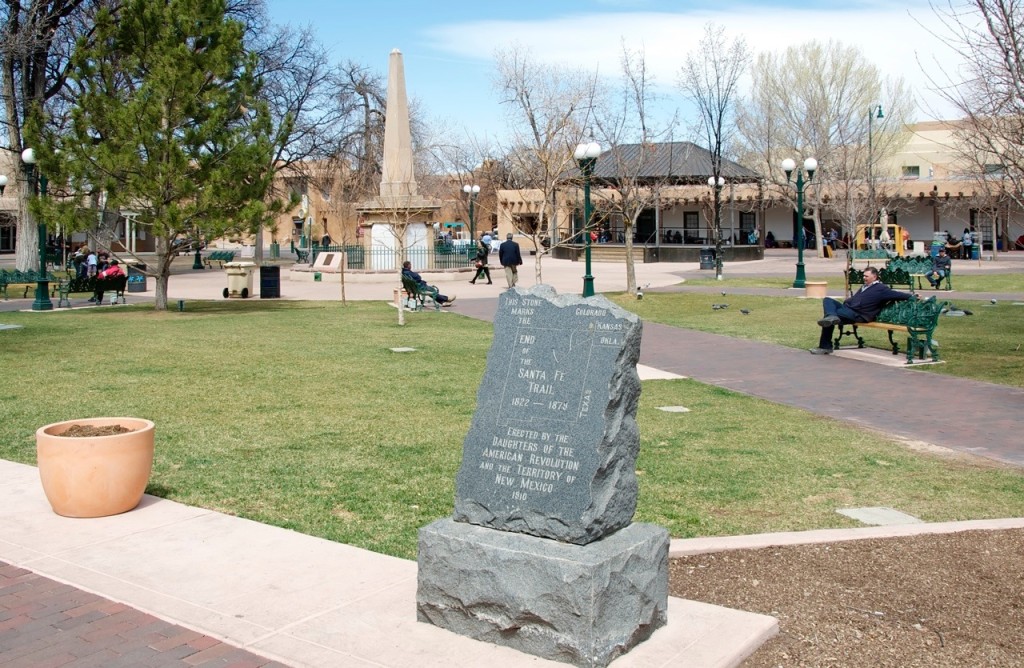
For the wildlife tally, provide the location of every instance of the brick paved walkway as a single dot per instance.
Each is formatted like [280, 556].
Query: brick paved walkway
[46, 624]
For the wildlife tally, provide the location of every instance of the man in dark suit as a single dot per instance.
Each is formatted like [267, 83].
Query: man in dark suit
[864, 306]
[510, 258]
[443, 300]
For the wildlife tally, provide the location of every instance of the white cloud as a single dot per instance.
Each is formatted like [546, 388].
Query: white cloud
[896, 39]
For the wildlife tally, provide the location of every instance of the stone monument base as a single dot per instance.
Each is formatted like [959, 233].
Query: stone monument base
[579, 604]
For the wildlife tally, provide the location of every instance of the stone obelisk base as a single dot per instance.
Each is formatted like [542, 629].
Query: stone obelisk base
[579, 604]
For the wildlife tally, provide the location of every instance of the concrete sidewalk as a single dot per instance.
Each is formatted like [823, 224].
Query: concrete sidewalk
[301, 600]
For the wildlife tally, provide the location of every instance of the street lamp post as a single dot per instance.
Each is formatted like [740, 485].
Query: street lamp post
[197, 261]
[471, 192]
[42, 301]
[586, 158]
[874, 112]
[716, 186]
[810, 166]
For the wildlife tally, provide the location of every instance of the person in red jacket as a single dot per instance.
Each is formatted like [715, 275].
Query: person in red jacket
[102, 278]
[864, 306]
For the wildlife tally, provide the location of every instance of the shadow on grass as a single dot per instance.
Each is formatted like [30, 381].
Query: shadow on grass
[247, 306]
[162, 491]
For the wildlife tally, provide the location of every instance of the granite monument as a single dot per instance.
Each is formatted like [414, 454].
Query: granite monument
[541, 553]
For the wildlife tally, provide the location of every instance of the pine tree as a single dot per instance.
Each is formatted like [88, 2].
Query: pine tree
[167, 124]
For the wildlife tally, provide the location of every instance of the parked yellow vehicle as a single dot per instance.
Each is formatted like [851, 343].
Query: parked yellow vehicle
[890, 237]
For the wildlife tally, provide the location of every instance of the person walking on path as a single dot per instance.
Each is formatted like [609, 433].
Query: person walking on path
[483, 249]
[861, 307]
[510, 258]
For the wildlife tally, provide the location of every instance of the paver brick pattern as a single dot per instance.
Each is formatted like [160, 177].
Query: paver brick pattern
[46, 624]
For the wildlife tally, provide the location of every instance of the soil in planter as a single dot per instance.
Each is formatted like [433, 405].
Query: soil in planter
[86, 430]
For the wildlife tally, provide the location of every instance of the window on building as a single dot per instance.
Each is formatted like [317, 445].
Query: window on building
[911, 171]
[748, 222]
[691, 227]
[994, 168]
[526, 222]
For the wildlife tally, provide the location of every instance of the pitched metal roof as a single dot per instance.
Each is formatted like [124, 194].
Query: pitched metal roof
[677, 162]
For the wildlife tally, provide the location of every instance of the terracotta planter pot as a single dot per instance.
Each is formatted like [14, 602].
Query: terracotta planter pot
[95, 476]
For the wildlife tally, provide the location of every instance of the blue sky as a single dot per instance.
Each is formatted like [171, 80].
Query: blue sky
[449, 46]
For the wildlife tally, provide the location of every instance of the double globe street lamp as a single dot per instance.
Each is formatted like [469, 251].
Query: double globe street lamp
[810, 166]
[471, 192]
[586, 157]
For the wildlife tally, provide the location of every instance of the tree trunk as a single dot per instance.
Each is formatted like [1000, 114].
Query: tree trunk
[162, 275]
[819, 245]
[26, 255]
[537, 244]
[630, 265]
[401, 302]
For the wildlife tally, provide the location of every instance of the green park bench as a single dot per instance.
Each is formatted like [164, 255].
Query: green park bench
[220, 257]
[417, 294]
[918, 268]
[917, 318]
[902, 271]
[23, 279]
[66, 288]
[115, 285]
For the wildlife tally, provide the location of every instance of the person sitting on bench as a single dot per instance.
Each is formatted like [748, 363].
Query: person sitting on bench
[407, 271]
[861, 307]
[102, 278]
[941, 265]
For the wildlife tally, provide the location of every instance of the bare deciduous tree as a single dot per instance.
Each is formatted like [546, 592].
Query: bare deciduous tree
[627, 127]
[988, 92]
[548, 110]
[813, 100]
[36, 38]
[710, 78]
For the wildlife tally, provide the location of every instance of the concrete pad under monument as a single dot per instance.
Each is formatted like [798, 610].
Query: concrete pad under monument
[541, 554]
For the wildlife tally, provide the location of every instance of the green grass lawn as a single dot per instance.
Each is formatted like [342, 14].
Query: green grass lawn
[297, 414]
[988, 345]
[1013, 283]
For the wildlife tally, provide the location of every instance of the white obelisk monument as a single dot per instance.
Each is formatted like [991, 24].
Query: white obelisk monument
[398, 219]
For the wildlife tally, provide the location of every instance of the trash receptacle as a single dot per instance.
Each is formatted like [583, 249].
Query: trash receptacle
[976, 252]
[239, 279]
[137, 281]
[275, 250]
[270, 281]
[707, 258]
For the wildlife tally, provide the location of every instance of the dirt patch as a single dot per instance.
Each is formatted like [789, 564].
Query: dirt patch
[932, 600]
[86, 430]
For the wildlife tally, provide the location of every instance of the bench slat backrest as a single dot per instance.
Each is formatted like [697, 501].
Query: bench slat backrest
[915, 313]
[411, 286]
